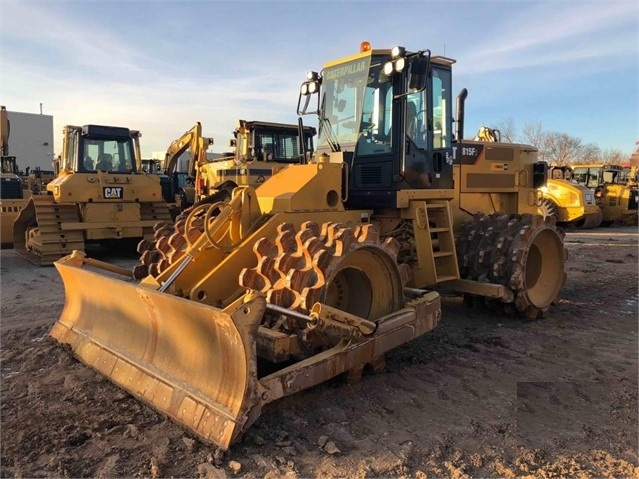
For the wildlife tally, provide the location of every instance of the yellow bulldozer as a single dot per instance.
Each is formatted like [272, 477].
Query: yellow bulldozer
[97, 195]
[615, 192]
[320, 269]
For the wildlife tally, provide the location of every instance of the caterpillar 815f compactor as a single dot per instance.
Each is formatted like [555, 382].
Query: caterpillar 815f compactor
[319, 270]
[97, 195]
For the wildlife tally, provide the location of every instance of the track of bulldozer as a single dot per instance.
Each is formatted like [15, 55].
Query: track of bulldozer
[158, 212]
[44, 221]
[505, 250]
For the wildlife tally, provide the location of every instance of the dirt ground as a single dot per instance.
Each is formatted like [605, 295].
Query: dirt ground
[481, 396]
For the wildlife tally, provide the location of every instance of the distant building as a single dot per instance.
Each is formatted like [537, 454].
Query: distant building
[31, 140]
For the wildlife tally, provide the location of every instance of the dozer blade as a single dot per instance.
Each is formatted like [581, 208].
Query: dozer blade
[193, 362]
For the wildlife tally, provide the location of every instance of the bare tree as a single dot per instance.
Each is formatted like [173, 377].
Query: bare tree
[613, 156]
[564, 149]
[590, 153]
[507, 130]
[534, 134]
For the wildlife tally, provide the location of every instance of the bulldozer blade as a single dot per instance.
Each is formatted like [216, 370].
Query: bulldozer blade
[192, 362]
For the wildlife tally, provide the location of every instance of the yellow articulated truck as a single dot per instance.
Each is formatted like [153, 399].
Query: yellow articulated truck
[97, 195]
[320, 269]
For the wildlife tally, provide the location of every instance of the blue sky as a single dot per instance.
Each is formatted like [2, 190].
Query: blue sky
[160, 66]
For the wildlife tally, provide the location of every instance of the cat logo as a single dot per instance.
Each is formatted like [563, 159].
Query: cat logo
[111, 192]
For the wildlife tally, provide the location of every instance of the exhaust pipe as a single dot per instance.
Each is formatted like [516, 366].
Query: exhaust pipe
[461, 100]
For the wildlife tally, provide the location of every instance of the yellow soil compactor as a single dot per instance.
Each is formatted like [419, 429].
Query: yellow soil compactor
[615, 191]
[320, 269]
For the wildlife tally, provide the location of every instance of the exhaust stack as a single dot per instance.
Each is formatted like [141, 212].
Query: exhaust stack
[461, 101]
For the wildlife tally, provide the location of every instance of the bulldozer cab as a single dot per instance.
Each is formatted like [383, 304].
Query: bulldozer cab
[379, 114]
[93, 148]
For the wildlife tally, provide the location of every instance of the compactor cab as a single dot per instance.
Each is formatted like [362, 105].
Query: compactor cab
[97, 195]
[388, 116]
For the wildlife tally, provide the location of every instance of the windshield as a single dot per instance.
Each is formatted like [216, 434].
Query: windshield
[588, 177]
[280, 145]
[114, 156]
[355, 104]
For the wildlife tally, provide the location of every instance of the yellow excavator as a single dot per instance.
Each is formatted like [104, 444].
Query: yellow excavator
[320, 269]
[617, 197]
[97, 195]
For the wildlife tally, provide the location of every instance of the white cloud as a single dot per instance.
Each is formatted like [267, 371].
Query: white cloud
[555, 33]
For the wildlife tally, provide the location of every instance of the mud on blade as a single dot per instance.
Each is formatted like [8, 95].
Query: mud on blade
[193, 362]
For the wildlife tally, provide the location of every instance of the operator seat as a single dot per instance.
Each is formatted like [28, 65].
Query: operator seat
[104, 162]
[88, 163]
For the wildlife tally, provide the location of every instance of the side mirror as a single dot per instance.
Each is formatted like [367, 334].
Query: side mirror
[540, 174]
[418, 73]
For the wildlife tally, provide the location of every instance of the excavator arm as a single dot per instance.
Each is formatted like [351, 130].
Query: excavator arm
[4, 132]
[197, 145]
